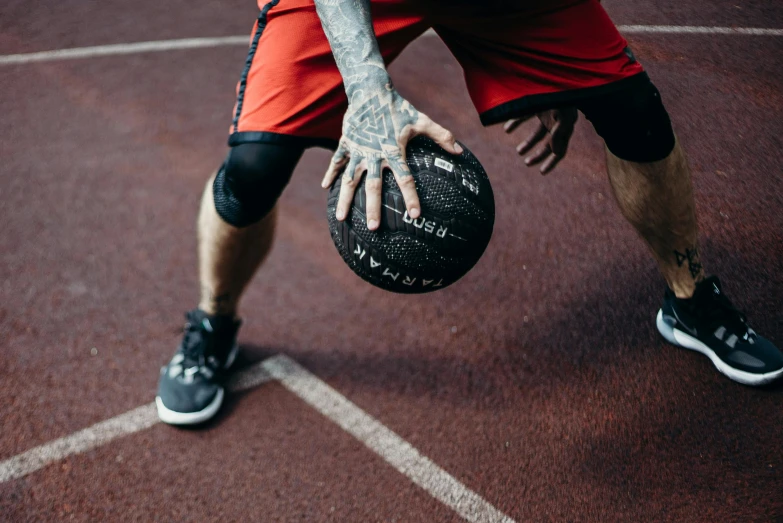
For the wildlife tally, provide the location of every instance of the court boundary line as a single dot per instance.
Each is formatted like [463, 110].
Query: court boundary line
[378, 438]
[222, 41]
[103, 432]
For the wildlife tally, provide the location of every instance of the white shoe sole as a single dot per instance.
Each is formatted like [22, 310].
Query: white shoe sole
[682, 339]
[189, 418]
[173, 417]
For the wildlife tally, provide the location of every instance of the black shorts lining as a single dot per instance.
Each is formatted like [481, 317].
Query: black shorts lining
[237, 138]
[249, 60]
[536, 103]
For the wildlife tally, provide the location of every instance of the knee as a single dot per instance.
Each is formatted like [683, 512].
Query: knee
[251, 180]
[633, 122]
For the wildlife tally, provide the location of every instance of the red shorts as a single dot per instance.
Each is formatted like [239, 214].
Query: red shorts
[519, 57]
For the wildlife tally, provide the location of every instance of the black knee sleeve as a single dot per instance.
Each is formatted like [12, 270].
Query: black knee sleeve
[633, 122]
[252, 179]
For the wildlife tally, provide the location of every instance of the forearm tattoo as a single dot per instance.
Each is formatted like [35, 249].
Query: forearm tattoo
[377, 116]
[348, 27]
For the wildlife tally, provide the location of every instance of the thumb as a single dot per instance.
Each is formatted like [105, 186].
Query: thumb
[442, 136]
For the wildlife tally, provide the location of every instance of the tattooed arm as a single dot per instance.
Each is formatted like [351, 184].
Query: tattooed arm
[379, 122]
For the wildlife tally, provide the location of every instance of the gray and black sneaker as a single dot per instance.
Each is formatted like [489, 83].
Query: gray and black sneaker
[190, 389]
[709, 323]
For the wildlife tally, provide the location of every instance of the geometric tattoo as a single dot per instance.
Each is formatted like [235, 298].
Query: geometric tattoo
[371, 124]
[221, 304]
[692, 257]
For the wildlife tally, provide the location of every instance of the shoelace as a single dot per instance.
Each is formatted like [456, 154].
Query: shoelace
[195, 344]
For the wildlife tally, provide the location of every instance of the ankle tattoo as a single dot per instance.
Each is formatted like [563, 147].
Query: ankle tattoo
[220, 304]
[691, 256]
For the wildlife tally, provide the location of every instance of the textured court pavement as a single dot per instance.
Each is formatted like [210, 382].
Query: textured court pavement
[539, 381]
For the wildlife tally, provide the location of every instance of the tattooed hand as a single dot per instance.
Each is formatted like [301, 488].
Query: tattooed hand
[379, 122]
[375, 133]
[555, 128]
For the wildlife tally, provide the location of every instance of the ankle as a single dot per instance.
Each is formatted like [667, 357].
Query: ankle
[216, 303]
[210, 309]
[683, 290]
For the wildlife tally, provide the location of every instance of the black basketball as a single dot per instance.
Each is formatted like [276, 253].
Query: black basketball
[434, 250]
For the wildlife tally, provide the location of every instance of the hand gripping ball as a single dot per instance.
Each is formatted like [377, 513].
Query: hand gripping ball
[436, 249]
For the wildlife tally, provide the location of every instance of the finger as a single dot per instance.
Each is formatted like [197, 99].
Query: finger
[569, 115]
[550, 163]
[561, 135]
[351, 179]
[443, 137]
[372, 190]
[512, 124]
[339, 159]
[405, 181]
[533, 139]
[539, 155]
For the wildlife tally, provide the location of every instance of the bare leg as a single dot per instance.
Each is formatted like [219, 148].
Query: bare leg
[657, 198]
[228, 256]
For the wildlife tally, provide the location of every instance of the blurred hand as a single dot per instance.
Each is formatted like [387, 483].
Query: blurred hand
[553, 133]
[376, 128]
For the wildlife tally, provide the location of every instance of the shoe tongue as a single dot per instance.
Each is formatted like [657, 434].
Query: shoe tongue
[708, 287]
[195, 316]
[210, 323]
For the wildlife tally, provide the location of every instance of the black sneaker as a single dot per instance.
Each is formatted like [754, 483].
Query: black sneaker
[190, 389]
[709, 323]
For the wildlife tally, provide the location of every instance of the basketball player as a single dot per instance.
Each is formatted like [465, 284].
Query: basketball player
[316, 76]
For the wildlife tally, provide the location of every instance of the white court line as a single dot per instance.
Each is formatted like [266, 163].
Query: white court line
[37, 458]
[115, 49]
[396, 451]
[372, 433]
[101, 433]
[196, 43]
[699, 29]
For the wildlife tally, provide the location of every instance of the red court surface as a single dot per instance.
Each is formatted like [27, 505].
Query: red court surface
[539, 381]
